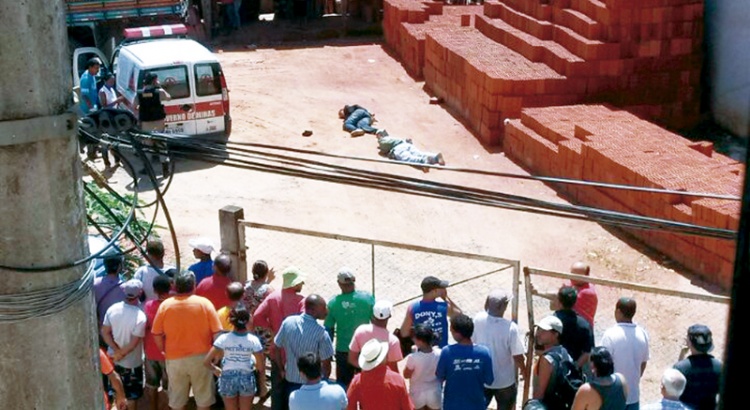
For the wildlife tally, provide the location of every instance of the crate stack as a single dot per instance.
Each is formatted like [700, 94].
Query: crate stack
[605, 144]
[640, 55]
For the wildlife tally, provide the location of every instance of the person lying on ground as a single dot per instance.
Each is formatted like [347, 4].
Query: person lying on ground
[404, 150]
[358, 121]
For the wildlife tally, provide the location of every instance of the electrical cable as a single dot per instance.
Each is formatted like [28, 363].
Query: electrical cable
[600, 215]
[159, 197]
[554, 180]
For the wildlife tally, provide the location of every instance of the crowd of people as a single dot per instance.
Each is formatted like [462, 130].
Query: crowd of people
[608, 375]
[200, 331]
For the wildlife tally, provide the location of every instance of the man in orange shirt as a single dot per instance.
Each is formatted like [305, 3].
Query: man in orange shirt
[184, 329]
[108, 369]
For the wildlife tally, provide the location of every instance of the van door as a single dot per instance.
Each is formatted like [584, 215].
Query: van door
[180, 109]
[80, 57]
[209, 105]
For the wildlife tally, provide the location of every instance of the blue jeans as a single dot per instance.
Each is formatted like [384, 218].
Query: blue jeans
[233, 13]
[361, 119]
[633, 406]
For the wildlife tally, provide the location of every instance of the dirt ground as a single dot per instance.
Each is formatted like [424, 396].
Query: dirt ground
[277, 92]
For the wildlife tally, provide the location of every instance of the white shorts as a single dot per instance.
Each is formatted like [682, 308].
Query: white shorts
[430, 397]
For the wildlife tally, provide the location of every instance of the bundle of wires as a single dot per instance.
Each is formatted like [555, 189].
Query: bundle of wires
[296, 163]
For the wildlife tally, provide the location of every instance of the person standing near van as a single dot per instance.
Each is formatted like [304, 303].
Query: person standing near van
[149, 104]
[89, 92]
[151, 112]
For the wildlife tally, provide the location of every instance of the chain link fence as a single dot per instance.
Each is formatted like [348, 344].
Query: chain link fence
[394, 271]
[665, 314]
[391, 271]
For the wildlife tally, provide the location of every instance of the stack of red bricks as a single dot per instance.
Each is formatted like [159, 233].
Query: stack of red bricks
[643, 55]
[604, 144]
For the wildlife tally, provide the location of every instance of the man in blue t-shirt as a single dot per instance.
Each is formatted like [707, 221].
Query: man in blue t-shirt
[431, 312]
[465, 368]
[89, 92]
[202, 248]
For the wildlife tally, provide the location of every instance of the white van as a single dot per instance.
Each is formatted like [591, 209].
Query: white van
[189, 72]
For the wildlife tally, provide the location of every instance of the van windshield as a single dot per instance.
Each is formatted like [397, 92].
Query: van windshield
[174, 80]
[207, 79]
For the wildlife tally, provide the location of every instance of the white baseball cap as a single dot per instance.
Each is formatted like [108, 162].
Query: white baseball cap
[382, 309]
[202, 244]
[551, 323]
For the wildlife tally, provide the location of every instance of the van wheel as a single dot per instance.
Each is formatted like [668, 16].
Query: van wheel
[227, 126]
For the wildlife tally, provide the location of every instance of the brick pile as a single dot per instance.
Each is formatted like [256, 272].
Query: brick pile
[641, 55]
[605, 144]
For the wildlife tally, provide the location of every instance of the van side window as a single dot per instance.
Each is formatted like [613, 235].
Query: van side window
[207, 79]
[174, 80]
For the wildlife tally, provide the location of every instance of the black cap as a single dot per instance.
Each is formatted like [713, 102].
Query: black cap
[431, 283]
[149, 78]
[701, 338]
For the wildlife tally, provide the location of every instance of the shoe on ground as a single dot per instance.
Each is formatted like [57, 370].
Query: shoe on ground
[440, 159]
[382, 133]
[358, 132]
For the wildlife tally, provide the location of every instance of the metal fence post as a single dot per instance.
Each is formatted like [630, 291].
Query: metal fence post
[232, 240]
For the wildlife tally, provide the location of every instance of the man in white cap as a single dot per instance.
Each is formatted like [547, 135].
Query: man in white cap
[123, 330]
[346, 312]
[501, 337]
[202, 248]
[377, 386]
[552, 354]
[377, 329]
[276, 307]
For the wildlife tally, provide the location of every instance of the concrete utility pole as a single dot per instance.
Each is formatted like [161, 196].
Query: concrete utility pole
[48, 362]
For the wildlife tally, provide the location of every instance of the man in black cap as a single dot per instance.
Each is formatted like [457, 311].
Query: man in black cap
[431, 312]
[701, 369]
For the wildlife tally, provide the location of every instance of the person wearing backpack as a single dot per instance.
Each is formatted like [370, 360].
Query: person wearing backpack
[607, 390]
[556, 378]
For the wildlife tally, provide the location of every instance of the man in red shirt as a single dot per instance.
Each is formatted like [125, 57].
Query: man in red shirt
[377, 386]
[587, 301]
[270, 313]
[214, 287]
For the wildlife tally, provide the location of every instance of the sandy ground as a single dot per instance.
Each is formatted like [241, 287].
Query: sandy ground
[276, 93]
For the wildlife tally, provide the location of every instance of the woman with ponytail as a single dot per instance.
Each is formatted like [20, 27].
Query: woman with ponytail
[239, 352]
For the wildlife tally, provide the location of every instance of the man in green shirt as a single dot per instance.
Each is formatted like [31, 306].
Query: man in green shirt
[345, 313]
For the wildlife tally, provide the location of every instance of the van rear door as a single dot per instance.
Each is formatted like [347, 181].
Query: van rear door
[209, 106]
[181, 108]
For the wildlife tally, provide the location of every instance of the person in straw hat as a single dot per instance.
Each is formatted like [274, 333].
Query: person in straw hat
[377, 386]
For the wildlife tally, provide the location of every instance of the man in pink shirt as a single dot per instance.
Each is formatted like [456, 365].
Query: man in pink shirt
[587, 301]
[377, 329]
[276, 307]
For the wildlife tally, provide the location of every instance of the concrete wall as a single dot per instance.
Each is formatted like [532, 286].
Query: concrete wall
[728, 48]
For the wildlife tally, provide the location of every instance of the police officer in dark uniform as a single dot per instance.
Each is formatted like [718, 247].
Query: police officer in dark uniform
[151, 112]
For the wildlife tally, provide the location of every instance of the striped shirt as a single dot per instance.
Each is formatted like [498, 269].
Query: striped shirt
[298, 335]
